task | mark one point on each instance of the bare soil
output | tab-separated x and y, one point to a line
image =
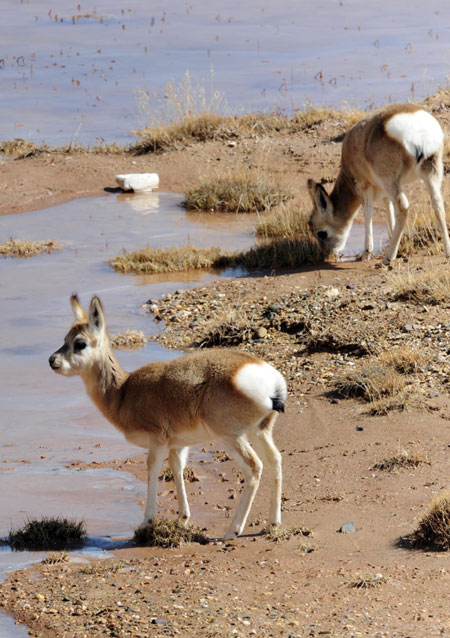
251	586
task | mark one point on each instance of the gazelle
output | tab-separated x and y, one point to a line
167	406
394	145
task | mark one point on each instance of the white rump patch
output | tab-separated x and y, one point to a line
261	383
418	132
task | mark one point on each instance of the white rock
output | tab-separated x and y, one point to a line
138	182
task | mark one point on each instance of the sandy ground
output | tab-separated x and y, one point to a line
251	586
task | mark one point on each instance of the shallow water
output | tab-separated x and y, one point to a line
70	72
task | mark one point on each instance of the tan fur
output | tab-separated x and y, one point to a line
167	406
374	166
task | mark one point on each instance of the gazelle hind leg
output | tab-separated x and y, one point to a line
433	183
266	449
252	467
390	216
401	206
177	463
155	458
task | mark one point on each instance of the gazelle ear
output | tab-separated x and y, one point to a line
78	311
96	316
320	198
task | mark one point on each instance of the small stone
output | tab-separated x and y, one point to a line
261	332
274	308
334	401
359	428
409	326
347	528
332	293
159	621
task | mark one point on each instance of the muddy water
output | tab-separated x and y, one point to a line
69	71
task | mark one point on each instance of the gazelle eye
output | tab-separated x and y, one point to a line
79	345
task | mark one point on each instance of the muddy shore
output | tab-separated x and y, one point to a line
330	445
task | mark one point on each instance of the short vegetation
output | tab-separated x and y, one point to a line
188	475
157	260
168	533
27	248
288	221
278	534
434	528
400	461
423	287
240	192
48	534
382	382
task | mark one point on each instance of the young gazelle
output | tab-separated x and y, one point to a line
166	407
394	145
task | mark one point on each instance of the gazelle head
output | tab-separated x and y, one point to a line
84	343
323	223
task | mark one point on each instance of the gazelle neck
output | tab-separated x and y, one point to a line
345	199
104	380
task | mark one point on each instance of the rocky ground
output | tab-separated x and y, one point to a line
318	325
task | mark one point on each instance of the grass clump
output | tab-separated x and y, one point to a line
242	192
168	533
370	382
368	582
156	260
434	528
48	534
228	329
103	567
287	222
277	534
188	475
402	460
19	148
129	340
27	248
55	558
421	233
280	253
426	287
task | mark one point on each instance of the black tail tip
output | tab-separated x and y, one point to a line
277	405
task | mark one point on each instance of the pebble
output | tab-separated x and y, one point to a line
347	528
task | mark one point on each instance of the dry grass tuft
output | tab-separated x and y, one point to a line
404	359
427	287
279	534
368	582
103	567
48	533
188	475
25	248
19	148
168	533
155	260
280	253
421	233
402	460
129	340
228	329
370	382
434	528
55	558
287	222
239	192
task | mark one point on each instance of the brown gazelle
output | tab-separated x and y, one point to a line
167	406
394	145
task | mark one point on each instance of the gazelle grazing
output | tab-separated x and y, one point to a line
166	407
394	145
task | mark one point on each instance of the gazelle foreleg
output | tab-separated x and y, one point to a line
390	216
155	458
177	463
251	467
368	227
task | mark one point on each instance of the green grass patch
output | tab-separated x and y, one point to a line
156	260
288	221
48	534
168	533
